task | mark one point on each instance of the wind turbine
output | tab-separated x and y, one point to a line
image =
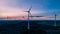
55	19
55	16
29	16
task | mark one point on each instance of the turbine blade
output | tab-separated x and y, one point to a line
30	15
30	8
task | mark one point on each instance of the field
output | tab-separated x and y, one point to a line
36	27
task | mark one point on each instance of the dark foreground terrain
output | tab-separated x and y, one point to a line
36	27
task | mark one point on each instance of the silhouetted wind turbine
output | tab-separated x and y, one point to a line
29	16
55	19
55	16
7	17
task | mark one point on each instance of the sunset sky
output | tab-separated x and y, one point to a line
45	8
